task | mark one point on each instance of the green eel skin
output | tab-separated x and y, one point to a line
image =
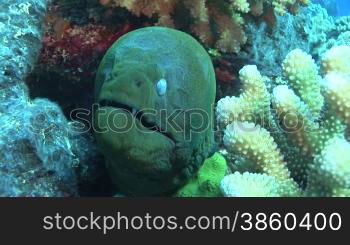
154	126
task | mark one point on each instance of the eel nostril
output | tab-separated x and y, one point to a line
138	83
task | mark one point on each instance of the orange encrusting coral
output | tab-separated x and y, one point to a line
217	23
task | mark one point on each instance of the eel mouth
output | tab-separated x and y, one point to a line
139	115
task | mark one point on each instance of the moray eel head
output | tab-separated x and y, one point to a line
147	96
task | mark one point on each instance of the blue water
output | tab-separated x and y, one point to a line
343	7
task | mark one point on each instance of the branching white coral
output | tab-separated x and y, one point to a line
330	174
294	115
312	114
337	91
337	60
302	74
242	138
249	185
252	105
333	164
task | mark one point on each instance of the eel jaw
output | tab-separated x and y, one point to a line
145	121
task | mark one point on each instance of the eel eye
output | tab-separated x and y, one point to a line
161	86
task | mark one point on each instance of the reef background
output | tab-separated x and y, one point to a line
50	50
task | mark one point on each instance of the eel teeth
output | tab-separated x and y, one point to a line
134	111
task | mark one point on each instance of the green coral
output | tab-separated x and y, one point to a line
207	181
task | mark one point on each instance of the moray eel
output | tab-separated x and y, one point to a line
154	125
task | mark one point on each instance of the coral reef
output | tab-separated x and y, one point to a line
39	151
286	134
216	23
73	48
77	49
206	183
330	5
308	30
293	141
73	45
342	24
335	35
328	32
